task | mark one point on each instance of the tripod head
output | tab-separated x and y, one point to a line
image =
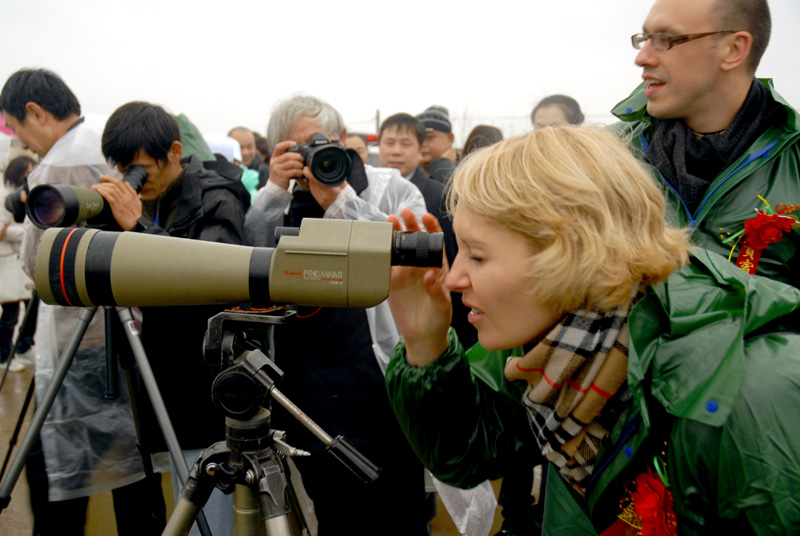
247	377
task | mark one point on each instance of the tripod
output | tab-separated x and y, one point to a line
251	462
24	328
125	317
27	319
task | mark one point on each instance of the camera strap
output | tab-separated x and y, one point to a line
304	205
358	175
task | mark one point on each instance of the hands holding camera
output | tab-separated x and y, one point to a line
286	164
419	300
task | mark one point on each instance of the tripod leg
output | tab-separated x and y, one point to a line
181	520
17	428
247	517
269	480
149	379
23	329
246	513
47	402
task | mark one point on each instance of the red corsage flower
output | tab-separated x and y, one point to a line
766	229
653	504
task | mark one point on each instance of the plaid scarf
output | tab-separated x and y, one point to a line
572	373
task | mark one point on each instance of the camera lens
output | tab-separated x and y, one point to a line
47	207
330	165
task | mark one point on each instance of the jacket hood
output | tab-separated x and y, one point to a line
197	179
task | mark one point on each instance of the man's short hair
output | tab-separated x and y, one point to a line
751	16
139	126
403	122
41	86
288	111
436	118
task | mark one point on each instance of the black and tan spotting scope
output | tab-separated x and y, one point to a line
62	205
329	263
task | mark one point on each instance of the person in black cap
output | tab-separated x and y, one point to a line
438	155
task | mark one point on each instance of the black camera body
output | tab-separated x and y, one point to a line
14	205
329	162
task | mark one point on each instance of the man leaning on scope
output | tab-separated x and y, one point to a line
334	358
180	198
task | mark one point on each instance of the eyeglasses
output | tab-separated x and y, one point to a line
664	41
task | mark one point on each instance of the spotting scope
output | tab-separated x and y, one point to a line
62	205
329	263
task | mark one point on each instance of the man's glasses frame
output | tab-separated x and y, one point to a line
664	41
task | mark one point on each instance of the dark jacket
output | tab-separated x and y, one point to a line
714	394
262	168
209	209
435	201
441	169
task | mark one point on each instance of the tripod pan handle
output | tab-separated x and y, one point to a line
345	452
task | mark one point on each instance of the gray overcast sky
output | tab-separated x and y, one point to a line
225	63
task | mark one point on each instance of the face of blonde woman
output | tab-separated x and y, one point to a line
488	272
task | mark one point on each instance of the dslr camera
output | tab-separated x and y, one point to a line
327	159
14	205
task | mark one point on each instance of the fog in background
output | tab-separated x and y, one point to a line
225	64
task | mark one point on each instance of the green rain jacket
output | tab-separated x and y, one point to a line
716	393
769	168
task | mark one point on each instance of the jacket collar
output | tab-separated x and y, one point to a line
634	107
190	204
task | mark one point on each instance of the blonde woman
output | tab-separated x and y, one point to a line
644	372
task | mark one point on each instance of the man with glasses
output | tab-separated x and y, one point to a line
717	136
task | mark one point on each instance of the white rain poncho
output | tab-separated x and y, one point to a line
89	442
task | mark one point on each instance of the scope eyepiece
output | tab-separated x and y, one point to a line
417	249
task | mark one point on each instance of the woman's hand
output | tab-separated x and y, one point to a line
419	300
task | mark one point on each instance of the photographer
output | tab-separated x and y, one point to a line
46	116
334	358
180	198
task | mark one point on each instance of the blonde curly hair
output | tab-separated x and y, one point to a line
589	209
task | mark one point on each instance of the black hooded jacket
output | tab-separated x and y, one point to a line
209	207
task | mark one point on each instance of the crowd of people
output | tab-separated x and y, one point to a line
618	305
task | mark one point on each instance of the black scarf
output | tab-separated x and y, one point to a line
691	163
